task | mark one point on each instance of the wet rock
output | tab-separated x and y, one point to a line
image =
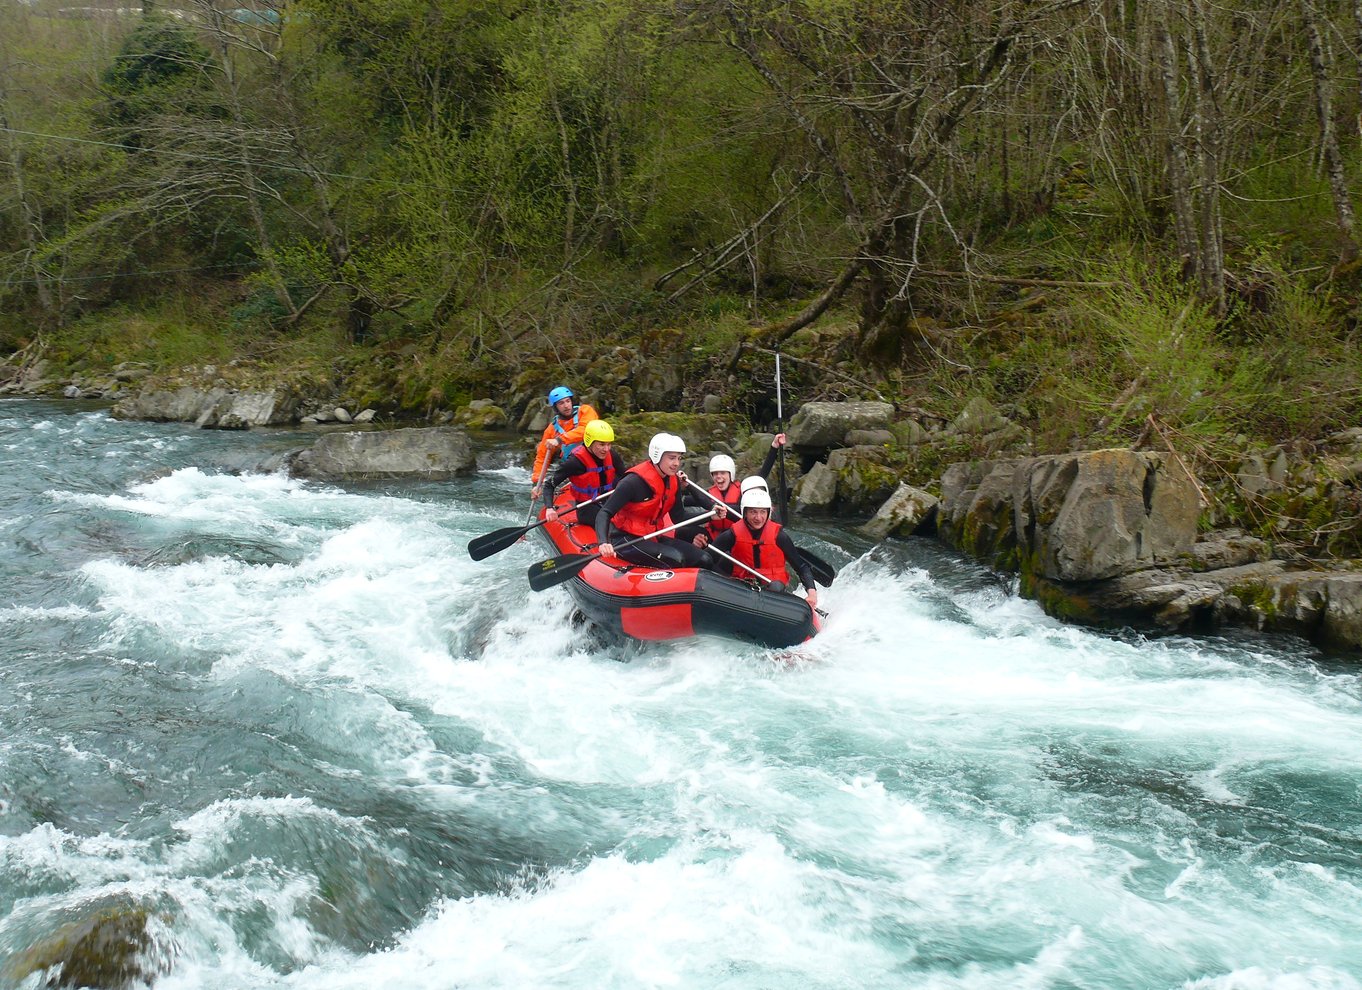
112	949
437	453
820	425
209	407
1070	517
904	513
869	438
817	490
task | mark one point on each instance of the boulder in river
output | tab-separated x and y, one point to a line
435	453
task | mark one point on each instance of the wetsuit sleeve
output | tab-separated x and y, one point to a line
630	488
695	500
771	454
724	541
795	558
566	468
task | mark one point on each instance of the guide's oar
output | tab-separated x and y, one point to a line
755	573
556	570
482	547
823	572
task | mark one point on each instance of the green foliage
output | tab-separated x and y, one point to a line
160	65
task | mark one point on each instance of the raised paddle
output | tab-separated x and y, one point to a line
482	547
780	428
823	572
554	571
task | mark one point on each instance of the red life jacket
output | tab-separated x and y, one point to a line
652	514
723	522
594	478
759	551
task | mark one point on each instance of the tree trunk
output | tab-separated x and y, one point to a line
1209	150
29	217
250	181
1328	138
1179	172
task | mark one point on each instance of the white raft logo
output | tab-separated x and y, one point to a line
658	576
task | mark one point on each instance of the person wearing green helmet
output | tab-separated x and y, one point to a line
590	470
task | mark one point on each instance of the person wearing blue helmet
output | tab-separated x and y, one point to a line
562	436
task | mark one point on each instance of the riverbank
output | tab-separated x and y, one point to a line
973	482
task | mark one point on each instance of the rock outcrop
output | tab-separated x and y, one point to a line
1110	538
435	453
211	408
1071	517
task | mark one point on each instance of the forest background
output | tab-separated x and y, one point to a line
1121	222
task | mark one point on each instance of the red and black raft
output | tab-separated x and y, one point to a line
654	603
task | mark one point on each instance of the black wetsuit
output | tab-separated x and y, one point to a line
661	551
725	541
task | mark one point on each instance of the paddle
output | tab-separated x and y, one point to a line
556	570
482	547
823	572
780	428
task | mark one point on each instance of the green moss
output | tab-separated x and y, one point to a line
1061	604
1258	597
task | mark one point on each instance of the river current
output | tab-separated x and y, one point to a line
322	748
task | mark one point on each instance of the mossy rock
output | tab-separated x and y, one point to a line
109	950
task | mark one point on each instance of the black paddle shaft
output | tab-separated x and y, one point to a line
482	547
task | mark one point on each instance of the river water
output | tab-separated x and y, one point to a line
324	749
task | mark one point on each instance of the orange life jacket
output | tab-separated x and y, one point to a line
594	478
652	514
723	522
759	551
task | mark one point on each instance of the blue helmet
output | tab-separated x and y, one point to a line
558	394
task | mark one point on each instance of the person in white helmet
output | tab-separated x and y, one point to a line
764	547
645	500
721	472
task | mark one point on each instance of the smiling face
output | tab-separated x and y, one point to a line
669	463
564	406
756	518
721	479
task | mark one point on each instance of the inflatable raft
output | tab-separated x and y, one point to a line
673	603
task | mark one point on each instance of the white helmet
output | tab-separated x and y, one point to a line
722	462
753	481
756	498
665	443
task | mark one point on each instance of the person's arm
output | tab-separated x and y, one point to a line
777	442
725	541
566	468
630	488
541	454
795	559
585	414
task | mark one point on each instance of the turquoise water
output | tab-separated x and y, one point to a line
325	749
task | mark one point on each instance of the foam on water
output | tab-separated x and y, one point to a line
344	754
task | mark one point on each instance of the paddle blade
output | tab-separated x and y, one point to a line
556	570
823	572
482	547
